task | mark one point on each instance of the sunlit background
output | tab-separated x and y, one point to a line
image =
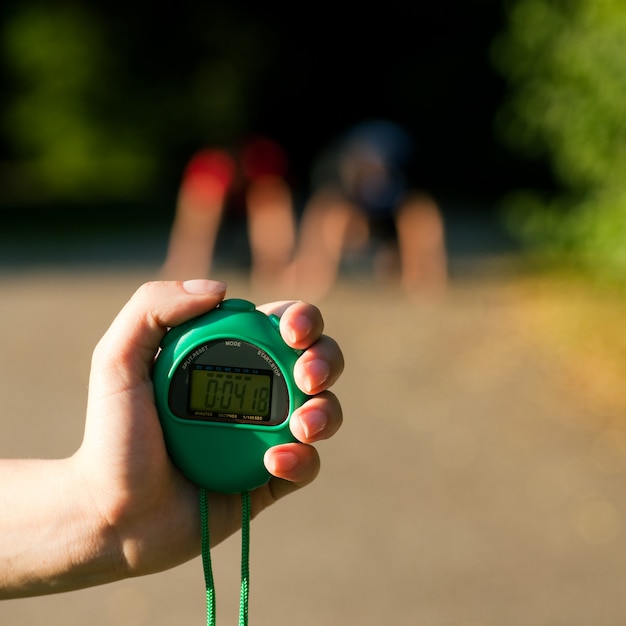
480	475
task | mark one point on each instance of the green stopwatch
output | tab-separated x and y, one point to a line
225	392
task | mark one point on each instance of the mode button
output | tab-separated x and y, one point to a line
237	304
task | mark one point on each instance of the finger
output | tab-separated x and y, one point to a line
301	324
317	419
134	336
292	465
319	367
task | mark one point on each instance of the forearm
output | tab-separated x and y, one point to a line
51	540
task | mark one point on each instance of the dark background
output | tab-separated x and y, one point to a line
423	64
310	71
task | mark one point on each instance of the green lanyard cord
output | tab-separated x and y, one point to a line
245	559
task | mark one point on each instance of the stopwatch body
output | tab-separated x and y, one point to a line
225	392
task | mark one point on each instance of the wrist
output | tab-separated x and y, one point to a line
69	546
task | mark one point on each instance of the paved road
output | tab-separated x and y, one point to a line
471	484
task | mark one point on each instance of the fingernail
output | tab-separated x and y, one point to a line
284	461
302	324
317	372
314	423
300	327
203	286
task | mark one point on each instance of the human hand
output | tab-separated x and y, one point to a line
144	505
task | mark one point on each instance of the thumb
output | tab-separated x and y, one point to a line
128	347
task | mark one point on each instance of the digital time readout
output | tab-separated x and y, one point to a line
229	392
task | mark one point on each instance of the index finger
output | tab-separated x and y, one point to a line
301	324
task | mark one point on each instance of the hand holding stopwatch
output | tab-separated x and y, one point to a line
224	391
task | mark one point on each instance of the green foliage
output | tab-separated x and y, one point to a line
56	120
565	63
101	98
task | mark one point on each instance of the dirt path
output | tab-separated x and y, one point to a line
471	485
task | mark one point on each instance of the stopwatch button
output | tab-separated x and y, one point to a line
275	320
237	304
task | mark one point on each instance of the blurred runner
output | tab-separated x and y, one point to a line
360	196
217	181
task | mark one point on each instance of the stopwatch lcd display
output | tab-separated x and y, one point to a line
226	392
230	381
